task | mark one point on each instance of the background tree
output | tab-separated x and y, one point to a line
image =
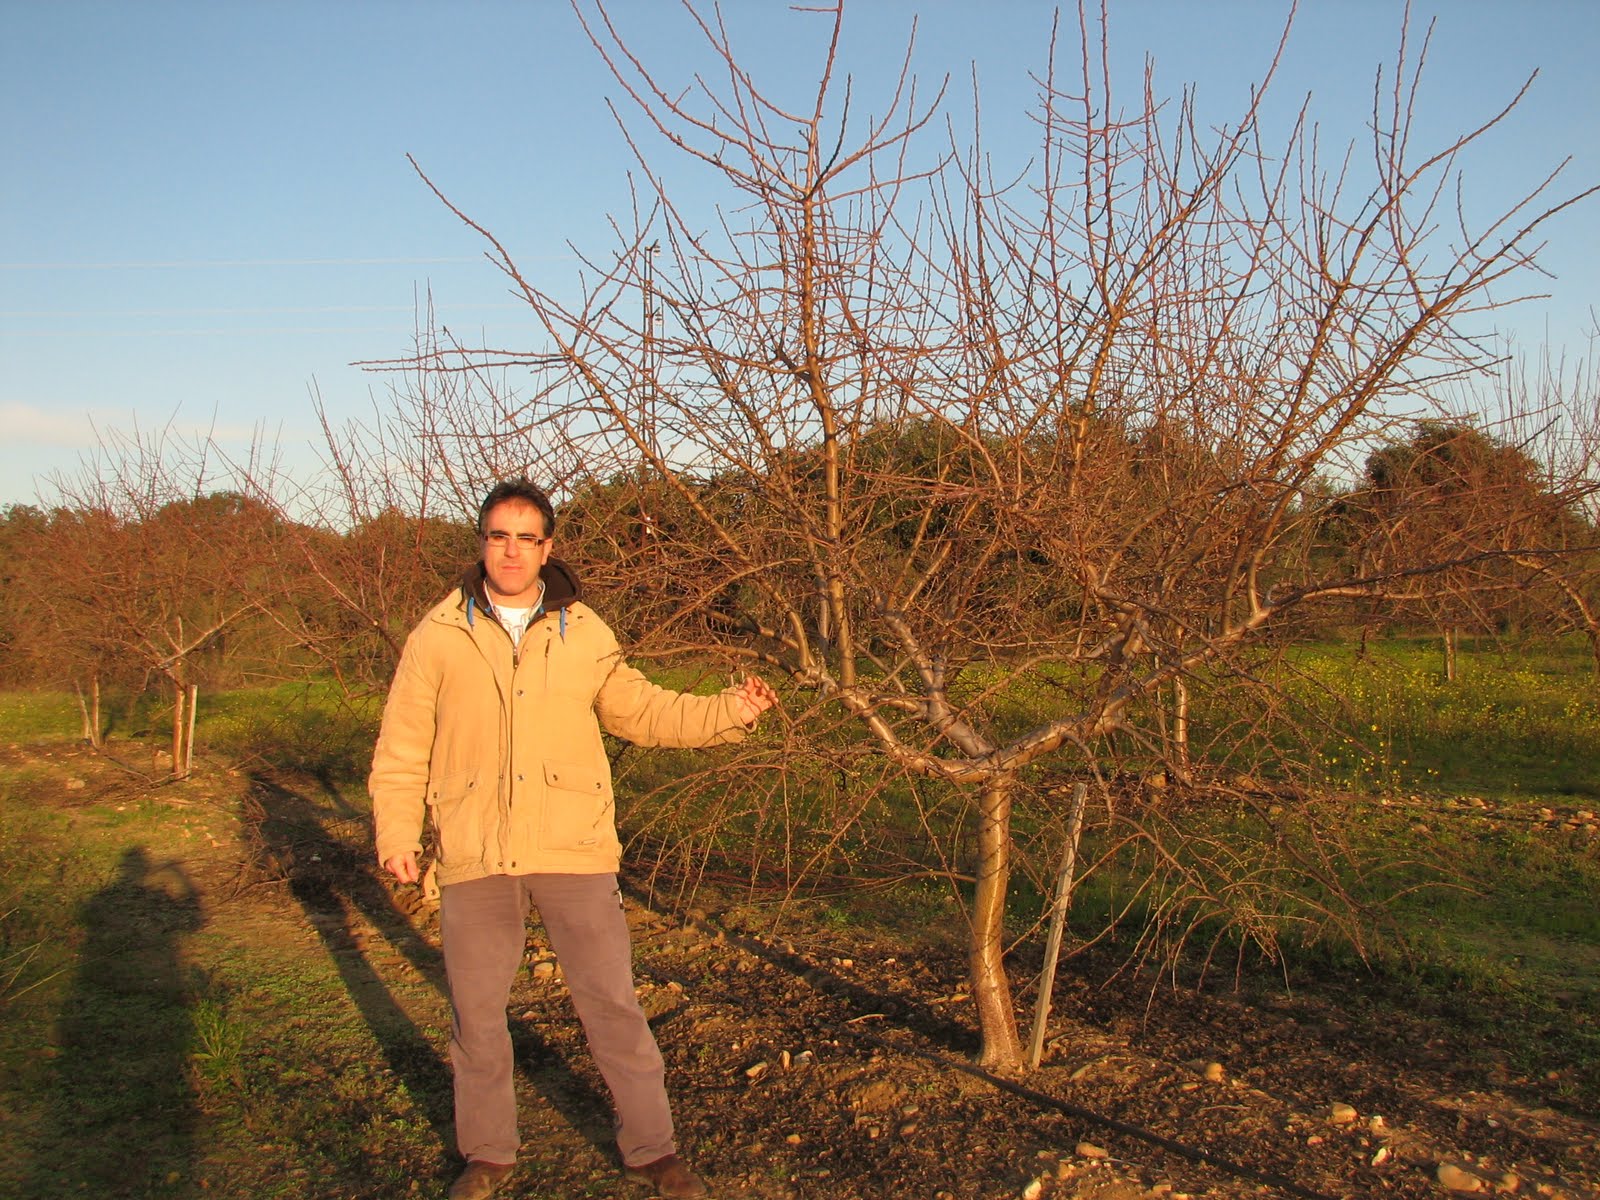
39	646
1451	493
377	538
149	573
1555	402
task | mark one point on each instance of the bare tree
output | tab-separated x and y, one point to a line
1554	405
930	433
150	568
1452	493
373	539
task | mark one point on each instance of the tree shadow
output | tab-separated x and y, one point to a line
332	878
296	840
123	1109
910	1012
580	1103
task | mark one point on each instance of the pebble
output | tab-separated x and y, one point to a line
544	972
1455	1179
1033	1190
756	1070
1214	1073
1341	1114
1090	1150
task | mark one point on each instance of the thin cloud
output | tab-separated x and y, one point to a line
33	426
86	429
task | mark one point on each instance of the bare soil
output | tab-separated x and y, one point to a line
823	1063
827	1063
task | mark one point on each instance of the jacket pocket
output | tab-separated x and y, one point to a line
456	802
577	808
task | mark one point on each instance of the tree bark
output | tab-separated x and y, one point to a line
991	991
1180	727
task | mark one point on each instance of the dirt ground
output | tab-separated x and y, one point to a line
824	1065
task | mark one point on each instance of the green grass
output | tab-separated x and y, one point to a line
1509	726
305	726
30	716
1481	916
175	1048
1454	829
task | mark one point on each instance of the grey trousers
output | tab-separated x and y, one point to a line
483	926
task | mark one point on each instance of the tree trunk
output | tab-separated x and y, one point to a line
991	991
1449	653
1180	727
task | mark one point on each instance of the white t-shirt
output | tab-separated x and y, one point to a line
516	620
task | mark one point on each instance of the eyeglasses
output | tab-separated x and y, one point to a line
500	539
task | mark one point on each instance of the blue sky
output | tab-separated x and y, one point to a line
206	212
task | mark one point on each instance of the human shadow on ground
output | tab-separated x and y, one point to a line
123	1109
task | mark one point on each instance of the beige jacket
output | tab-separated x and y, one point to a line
503	750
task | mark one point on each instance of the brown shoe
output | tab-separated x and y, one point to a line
670	1178
479	1181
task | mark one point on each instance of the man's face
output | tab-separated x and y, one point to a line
514	548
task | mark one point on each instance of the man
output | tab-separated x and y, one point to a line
492	727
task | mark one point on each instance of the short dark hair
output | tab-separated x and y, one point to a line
523	490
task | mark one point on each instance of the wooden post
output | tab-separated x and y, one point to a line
83	709
179	695
188	746
1058	919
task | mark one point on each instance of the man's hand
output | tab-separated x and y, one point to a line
403	867
754	697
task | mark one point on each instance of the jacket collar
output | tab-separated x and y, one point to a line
561	588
